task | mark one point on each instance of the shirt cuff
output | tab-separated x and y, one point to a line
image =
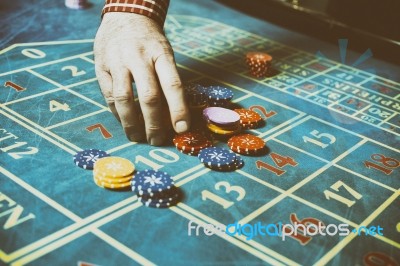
155	9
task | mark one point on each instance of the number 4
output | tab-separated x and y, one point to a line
279	161
57	106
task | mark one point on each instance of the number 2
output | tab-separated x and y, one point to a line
74	71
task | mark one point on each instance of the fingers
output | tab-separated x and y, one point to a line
105	82
150	98
173	91
124	104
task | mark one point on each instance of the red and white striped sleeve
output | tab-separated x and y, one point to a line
155	9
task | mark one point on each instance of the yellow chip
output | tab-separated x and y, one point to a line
218	130
102	175
112	180
113	167
112	186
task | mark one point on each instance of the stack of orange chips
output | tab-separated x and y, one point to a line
259	63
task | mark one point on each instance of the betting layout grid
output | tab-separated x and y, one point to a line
347	90
317	165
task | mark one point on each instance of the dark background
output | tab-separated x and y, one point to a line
50	20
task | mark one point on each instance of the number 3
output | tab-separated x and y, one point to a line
228	189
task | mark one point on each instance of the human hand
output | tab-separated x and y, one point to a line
127	46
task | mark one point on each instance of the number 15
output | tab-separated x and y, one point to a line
330	138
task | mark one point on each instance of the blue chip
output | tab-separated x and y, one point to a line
218	93
217	157
239	163
165	203
87	158
151	181
196	94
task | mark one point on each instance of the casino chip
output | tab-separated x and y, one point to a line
107	185
113	167
191	142
151	181
259	63
221	116
195	94
222	121
87	158
249	119
113	173
219	96
220	159
247	144
223	131
155	189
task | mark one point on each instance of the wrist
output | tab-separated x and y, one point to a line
154	9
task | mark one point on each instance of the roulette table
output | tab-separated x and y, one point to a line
332	129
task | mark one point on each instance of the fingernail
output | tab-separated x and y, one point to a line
181	126
156	141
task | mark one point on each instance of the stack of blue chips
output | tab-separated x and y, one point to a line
220	159
219	96
155	189
195	94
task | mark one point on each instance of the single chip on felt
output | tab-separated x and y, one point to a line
217	157
113	167
237	164
221	116
246	144
191	142
87	158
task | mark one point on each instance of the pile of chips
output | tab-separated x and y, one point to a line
113	173
191	143
87	158
220	159
249	119
259	63
222	121
76	4
247	144
219	96
155	189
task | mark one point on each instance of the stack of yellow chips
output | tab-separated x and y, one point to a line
113	172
